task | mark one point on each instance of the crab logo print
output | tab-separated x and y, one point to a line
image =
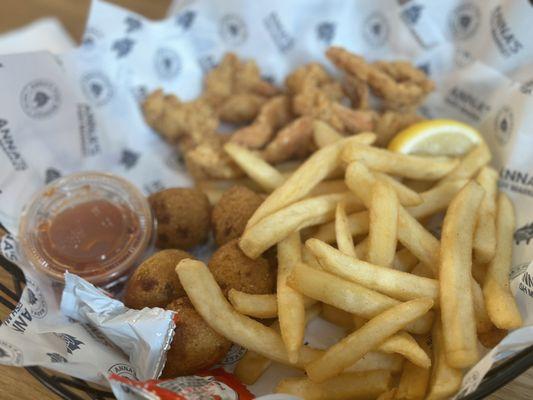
325	32
464	20
132	24
233	29
376	29
40	98
36	303
51	174
122	47
167	63
129	158
56	358
412	14
97	87
524	234
72	344
527	87
503	125
186	19
10	354
425	68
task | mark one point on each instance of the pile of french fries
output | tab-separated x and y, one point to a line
414	307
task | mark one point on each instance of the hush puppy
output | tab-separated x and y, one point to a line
155	283
183	217
232	269
232	212
195	345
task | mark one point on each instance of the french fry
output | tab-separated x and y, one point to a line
348	296
317	167
383	225
328	187
404	260
410	232
342	231
358	321
324	134
406	196
291	308
388	395
483	322
469	164
350	349
309	259
348	386
277	226
402	343
266	176
376	360
479	271
252	365
491	338
337	316
210	303
500	303
485	234
254	305
437	199
445	380
393	283
414	379
408	166
422	270
361	249
456	302
418	185
357	224
258	305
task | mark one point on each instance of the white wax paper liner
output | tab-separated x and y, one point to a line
79	110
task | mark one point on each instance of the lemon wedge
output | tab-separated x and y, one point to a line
436	137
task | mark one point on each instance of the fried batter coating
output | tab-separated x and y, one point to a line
294	141
232	269
355	121
274	114
399	84
390	123
183	217
155	283
208	160
232	212
195	346
236	78
357	91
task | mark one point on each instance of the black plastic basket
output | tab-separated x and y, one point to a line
76	389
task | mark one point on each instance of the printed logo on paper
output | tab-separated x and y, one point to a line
207	63
376	29
153	186
519	182
462	58
505	39
8	248
71	343
185	19
524	234
518	270
233	30
468	103
425	68
411	15
140	92
278	33
167	63
133	24
124	370
175	161
51	174
10	354
10	148
129	158
325	32
56	358
503	125
90	144
200	387
35	299
464	20
526	284
235	353
122	47
90	38
97	87
40	98
527	87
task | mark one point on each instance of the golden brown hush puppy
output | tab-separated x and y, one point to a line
155	283
232	269
232	212
195	345
183	217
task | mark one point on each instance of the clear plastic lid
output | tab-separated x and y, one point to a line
95	225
